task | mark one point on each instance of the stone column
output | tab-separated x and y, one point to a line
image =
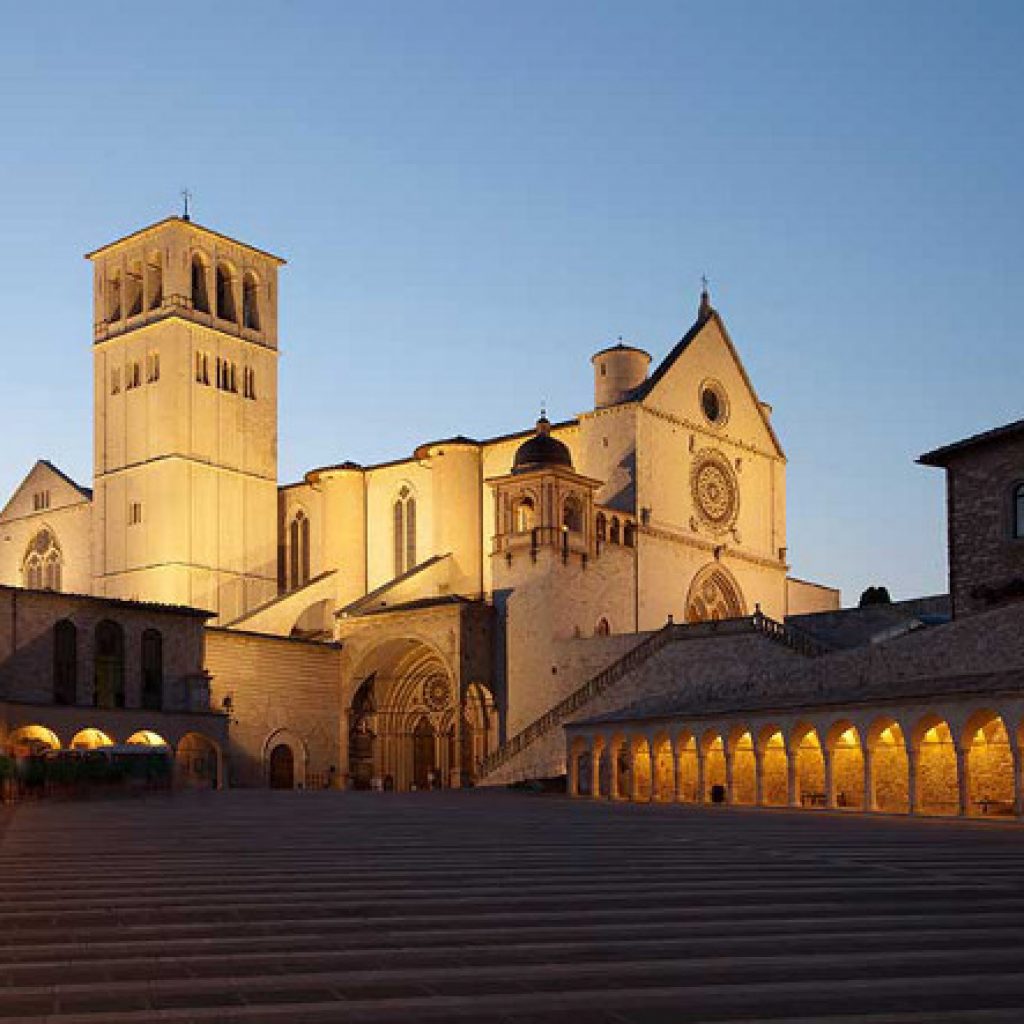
634	775
758	777
676	774
613	772
574	772
792	779
830	783
912	758
701	795
963	783
730	755
595	772
1018	787
870	802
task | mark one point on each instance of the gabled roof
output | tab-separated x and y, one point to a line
706	316
190	223
49	467
940	456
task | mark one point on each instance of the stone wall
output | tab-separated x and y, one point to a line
740	660
27	619
281	690
982	549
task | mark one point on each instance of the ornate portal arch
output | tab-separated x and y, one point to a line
714	594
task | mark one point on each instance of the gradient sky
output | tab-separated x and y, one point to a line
475	196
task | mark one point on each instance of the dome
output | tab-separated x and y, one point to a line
541	450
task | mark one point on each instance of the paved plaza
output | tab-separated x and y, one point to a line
494	906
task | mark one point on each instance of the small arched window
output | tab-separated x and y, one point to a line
65	662
152	670
525	515
200	288
1018	510
133	291
114	296
613	533
298	551
602	628
629	535
154	281
43	563
601	526
108	671
250	302
226	293
404	531
572	515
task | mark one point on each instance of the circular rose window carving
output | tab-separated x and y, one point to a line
436	694
715	491
714	403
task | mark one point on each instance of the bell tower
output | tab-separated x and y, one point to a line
185	419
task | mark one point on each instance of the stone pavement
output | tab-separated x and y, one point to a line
492	906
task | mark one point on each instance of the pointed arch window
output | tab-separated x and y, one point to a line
601	527
250	302
114	296
108	673
154	281
152	670
613	533
226	293
298	551
65	662
602	628
200	289
42	568
404	531
133	296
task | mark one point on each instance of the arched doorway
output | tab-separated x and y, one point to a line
282	767
32	740
197	762
405	705
90	739
937	784
714	595
774	768
990	765
424	755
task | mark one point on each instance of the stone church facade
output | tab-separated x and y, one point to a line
408	616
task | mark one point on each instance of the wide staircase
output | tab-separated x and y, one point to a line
511	763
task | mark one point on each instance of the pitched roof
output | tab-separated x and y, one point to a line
190	223
940	456
706	316
45	464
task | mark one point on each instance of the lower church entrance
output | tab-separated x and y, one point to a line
406	729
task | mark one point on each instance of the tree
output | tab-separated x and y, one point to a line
875	595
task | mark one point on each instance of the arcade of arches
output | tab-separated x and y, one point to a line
198	759
408	728
959	761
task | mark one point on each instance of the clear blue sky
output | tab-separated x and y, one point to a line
474	197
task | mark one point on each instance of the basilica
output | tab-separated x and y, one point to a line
395	624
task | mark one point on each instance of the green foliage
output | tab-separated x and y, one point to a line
875	595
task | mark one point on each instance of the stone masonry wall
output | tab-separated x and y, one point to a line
282	691
982	549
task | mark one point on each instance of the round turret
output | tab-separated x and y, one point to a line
618	371
541	450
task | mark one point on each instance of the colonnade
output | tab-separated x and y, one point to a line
955	760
